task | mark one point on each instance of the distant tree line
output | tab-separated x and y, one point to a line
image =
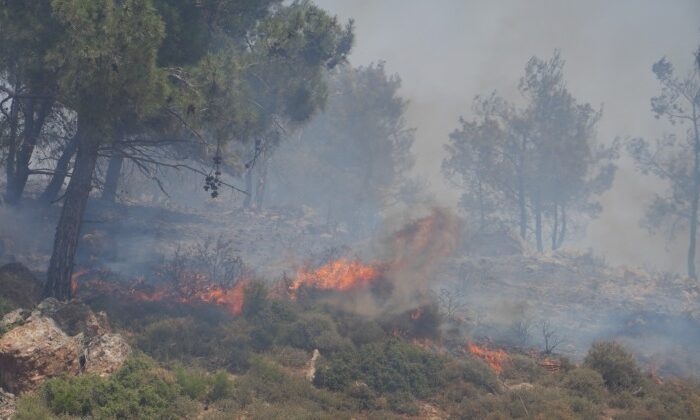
537	167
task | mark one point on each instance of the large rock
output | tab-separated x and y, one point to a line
19	286
58	339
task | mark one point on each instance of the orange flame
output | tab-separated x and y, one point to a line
341	274
74	280
494	358
232	299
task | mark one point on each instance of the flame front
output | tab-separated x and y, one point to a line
341	274
232	299
494	358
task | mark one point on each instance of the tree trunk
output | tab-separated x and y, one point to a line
114	170
247	203
696	195
555	228
32	130
60	172
538	222
482	211
58	283
521	193
12	144
260	188
562	232
249	188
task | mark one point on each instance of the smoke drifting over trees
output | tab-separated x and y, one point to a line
406	210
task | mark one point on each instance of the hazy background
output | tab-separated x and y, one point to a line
448	51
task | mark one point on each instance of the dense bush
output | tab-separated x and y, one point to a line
6	306
139	389
316	331
585	383
201	385
389	367
188	340
615	364
474	371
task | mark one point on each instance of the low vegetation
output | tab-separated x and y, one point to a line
212	366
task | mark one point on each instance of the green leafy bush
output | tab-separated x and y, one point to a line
615	364
139	389
316	331
585	383
186	340
392	366
6	306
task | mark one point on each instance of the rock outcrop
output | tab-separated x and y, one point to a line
57	339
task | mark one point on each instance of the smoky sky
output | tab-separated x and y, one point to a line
448	51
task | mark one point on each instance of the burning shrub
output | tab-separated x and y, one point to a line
615	364
214	259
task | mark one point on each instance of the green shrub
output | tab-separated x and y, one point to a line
585	383
387	367
6	306
187	340
615	364
193	383
222	386
290	357
32	407
316	331
139	389
523	369
477	372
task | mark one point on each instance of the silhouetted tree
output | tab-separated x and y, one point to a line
675	157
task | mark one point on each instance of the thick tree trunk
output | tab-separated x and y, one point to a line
32	129
60	172
114	170
58	283
695	197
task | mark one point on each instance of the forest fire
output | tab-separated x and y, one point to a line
494	358
342	275
231	299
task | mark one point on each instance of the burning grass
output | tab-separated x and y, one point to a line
494	358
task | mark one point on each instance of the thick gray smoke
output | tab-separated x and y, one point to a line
448	51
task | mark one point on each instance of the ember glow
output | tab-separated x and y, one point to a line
494	358
232	299
342	275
